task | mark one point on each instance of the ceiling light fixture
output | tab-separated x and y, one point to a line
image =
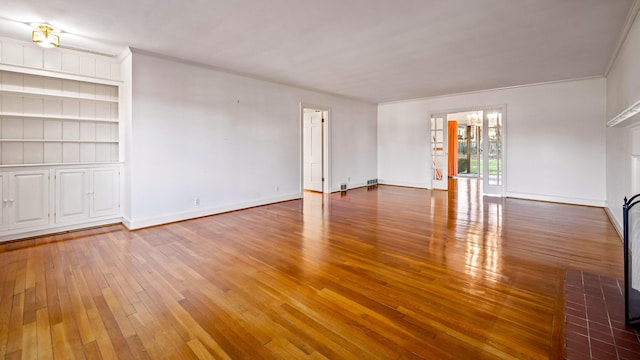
629	112
46	36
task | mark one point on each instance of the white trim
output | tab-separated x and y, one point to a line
53	229
492	89
419	185
631	17
134	224
126	221
616	223
557	199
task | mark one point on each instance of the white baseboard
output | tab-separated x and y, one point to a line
134	224
126	221
558	199
617	224
421	185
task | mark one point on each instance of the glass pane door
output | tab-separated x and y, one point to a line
492	148
439	151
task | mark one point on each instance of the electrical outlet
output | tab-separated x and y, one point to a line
196	201
348	178
277	188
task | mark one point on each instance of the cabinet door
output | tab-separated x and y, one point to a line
72	195
29	198
4	201
105	190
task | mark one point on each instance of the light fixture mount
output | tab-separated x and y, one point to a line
45	35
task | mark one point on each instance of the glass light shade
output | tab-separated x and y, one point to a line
44	37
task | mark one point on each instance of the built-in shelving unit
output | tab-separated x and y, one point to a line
59	140
49	120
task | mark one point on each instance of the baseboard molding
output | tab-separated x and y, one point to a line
126	221
616	223
22	234
135	224
558	199
420	185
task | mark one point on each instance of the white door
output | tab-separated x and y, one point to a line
29	198
72	195
4	197
313	151
493	152
104	197
439	153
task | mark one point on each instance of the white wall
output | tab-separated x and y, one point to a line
555	139
623	89
229	140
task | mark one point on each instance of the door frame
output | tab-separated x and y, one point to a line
326	146
484	109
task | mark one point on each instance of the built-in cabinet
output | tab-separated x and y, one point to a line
56	198
25	199
83	194
59	140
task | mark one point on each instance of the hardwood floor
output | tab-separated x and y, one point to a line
384	273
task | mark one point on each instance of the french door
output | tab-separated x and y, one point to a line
491	145
439	153
493	152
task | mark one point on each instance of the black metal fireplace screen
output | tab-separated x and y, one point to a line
631	234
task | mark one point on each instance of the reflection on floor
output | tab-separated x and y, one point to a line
594	304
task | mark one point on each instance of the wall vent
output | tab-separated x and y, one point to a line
372	182
343	187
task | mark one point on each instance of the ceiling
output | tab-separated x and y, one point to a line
373	50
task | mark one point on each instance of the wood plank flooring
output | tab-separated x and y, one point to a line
385	273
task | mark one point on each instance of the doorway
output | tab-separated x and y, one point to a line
315	167
469	144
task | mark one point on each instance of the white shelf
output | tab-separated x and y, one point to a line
54	96
47	122
61	141
61	164
38	116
